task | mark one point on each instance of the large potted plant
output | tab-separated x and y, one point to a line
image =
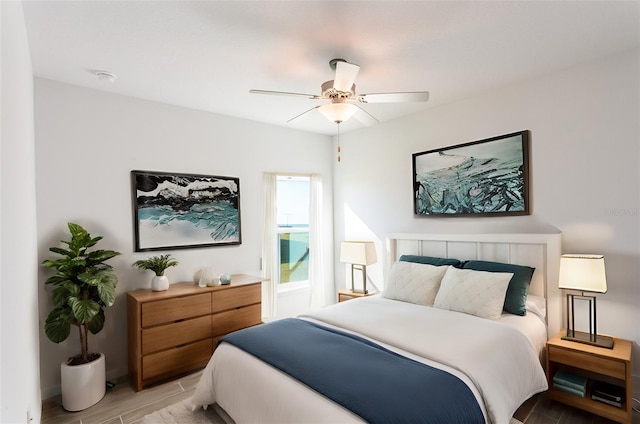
157	264
83	286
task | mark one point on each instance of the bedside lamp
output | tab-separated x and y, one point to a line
584	273
359	254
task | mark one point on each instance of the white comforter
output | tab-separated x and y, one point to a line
497	361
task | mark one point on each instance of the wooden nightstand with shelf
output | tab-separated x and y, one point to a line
348	294
611	366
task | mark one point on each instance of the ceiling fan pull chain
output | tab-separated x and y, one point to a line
338	141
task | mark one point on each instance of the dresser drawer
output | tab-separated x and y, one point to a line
170	310
175	334
177	360
236	319
232	298
597	364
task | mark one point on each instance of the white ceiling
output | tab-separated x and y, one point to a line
207	55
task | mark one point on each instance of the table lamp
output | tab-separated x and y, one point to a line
584	273
359	254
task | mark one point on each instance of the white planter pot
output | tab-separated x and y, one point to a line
160	283
83	385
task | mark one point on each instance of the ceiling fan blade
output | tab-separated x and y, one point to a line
345	76
365	117
415	96
285	93
306	111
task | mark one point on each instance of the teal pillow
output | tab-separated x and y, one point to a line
430	260
516	298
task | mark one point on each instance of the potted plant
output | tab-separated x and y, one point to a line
157	264
84	286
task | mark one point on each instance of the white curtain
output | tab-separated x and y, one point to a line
269	247
316	263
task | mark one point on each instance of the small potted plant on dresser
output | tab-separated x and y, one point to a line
157	264
84	286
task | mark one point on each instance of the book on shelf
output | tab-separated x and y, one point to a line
570	390
568	379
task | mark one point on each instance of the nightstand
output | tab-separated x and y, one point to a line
348	294
611	366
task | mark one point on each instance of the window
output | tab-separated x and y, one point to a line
292	245
292	209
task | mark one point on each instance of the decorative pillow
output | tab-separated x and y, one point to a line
414	283
518	286
473	292
430	260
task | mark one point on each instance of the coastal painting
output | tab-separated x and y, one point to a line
488	177
179	211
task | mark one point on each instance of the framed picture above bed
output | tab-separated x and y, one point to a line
487	177
180	211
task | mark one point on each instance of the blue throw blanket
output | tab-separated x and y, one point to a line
374	383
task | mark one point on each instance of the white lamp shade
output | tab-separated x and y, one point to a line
338	112
583	272
358	252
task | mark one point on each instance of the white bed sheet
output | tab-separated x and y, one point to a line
253	392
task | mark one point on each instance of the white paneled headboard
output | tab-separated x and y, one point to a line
541	251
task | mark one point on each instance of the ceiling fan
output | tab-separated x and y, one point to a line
342	97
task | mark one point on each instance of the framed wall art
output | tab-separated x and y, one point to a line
179	211
482	178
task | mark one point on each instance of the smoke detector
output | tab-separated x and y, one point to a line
105	76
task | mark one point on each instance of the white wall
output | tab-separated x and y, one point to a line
585	173
87	142
19	370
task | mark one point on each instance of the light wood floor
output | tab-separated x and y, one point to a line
123	405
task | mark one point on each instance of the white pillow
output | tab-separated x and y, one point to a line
536	305
413	282
473	292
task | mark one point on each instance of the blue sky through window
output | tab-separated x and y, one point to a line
293	201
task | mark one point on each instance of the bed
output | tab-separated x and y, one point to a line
485	365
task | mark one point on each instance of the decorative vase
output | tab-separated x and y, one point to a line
83	385
160	283
225	279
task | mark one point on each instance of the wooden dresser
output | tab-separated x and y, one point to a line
175	331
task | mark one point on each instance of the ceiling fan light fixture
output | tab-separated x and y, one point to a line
338	112
341	90
330	92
